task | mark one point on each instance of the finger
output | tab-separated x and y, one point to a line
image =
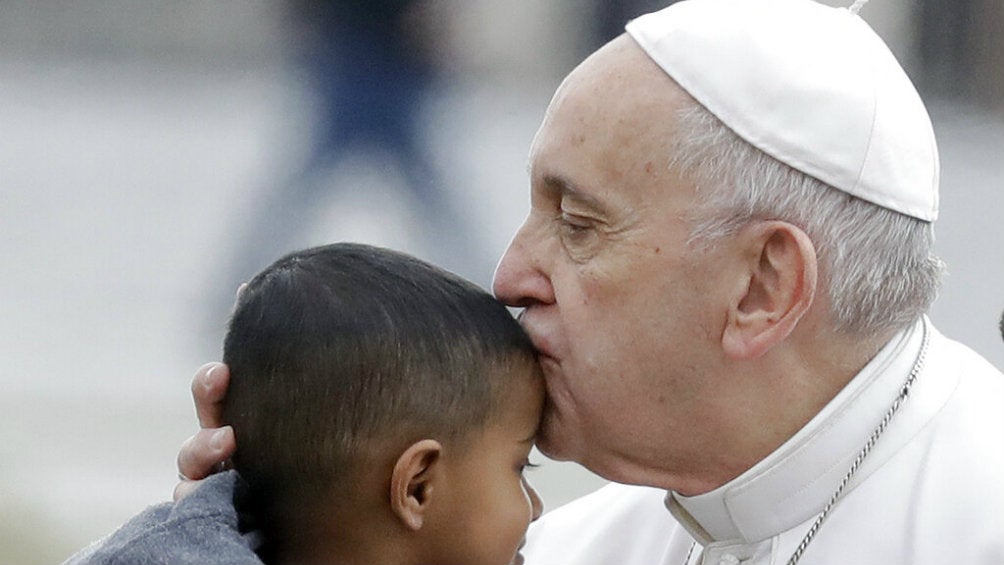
209	389
187	486
202	454
184	488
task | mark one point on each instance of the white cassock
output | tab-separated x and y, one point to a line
931	492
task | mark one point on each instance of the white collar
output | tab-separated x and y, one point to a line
792	484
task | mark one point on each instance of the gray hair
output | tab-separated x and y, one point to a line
876	264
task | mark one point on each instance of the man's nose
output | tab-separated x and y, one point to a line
520	279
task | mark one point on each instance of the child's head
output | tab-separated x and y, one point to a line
379	400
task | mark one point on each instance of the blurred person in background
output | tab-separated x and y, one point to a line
612	15
726	270
946	49
371	66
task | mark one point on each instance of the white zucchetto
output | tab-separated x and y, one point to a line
810	85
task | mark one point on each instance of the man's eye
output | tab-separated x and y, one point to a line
573	225
579	236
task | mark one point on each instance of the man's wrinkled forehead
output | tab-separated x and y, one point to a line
620	62
616	83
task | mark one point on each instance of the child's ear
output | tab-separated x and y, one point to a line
411	483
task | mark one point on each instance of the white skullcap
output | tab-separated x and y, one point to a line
810	85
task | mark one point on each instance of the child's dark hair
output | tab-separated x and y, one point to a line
336	349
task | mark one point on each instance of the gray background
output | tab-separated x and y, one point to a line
136	139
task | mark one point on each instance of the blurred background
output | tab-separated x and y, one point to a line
155	154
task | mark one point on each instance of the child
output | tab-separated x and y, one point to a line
384	411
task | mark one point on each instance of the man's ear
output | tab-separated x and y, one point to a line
779	286
412	482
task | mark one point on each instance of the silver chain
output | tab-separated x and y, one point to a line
686	560
904	392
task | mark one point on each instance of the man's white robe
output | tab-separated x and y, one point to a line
931	492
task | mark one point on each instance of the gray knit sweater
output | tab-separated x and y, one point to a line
201	528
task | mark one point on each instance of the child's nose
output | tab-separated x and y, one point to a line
536	505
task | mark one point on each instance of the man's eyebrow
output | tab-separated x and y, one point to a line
567	190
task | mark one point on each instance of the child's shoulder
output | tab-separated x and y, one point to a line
201	528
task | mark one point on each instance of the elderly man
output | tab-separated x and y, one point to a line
725	268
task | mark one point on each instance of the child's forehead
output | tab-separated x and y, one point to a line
518	379
522	401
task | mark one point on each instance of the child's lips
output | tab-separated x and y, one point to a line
518	558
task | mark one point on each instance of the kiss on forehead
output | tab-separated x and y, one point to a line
725	273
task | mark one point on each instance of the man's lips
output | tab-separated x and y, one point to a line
540	342
536	337
544	354
542	351
543	348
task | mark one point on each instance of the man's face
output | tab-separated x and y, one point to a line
621	309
